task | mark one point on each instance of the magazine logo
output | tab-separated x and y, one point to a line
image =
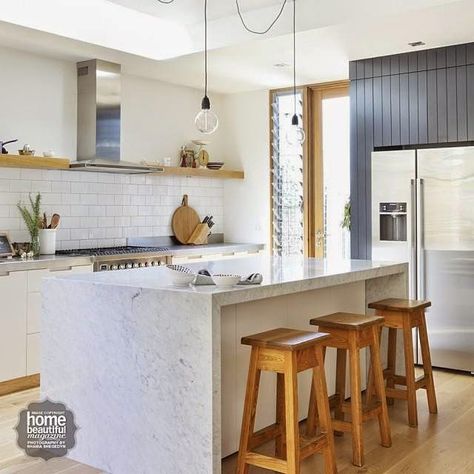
46	430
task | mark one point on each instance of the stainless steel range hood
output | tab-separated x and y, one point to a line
98	119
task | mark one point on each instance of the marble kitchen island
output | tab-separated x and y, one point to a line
155	374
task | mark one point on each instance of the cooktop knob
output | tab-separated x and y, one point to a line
122	266
114	267
129	265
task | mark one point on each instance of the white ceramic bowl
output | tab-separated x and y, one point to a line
226	281
180	276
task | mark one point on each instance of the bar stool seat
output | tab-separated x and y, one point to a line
285	352
351	332
406	314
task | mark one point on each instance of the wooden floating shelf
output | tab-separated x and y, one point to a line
39	162
35	162
202	172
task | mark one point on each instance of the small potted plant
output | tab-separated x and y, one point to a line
33	221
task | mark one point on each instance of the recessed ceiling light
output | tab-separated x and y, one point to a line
282	65
414	44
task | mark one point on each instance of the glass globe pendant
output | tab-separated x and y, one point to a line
295	134
206	120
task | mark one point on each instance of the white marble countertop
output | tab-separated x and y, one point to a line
57	261
281	275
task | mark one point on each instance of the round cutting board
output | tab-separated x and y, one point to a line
184	221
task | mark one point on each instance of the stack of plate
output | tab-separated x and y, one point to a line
215	165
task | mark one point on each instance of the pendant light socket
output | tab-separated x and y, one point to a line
294	119
206	103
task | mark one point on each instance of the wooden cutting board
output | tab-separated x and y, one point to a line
184	221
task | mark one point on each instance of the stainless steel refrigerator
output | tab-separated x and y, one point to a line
423	213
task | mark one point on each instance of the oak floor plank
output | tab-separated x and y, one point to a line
440	445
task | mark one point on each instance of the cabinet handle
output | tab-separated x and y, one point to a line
4	274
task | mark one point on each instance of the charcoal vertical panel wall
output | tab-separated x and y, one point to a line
418	98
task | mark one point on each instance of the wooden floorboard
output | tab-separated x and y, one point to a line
442	444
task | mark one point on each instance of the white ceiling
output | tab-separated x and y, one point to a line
330	34
189	12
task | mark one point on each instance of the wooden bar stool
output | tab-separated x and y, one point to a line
351	332
405	315
286	352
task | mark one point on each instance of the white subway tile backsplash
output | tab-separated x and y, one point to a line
104	209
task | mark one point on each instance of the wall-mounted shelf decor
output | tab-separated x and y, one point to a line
36	162
202	172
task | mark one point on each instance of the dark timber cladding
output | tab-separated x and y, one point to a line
419	98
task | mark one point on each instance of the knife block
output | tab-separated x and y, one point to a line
199	235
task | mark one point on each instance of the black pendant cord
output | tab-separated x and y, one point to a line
294	57
205	48
266	30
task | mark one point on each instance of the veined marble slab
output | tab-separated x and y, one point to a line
139	361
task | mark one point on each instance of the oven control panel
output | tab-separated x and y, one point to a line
128	263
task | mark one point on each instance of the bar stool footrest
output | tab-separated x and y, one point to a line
266	462
264	435
313	444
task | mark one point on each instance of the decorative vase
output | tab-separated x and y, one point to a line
47	241
35	245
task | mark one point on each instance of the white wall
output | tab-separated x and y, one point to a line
158	118
38	102
38	97
245	123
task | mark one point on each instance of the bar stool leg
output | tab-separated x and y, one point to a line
356	403
291	415
369	392
391	360
280	448
340	386
384	424
321	395
250	406
410	373
312	420
425	354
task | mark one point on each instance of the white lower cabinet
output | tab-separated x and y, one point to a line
20	319
13	288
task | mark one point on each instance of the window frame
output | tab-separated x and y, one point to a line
313	189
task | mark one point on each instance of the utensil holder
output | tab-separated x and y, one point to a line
47	241
199	235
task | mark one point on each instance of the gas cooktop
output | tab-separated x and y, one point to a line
109	251
122	258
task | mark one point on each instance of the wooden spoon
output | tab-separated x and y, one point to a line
55	218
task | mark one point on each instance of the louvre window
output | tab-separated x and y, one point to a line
287	179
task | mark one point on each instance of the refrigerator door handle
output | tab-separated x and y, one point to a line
420	247
413	243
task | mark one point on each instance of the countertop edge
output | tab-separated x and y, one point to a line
253	293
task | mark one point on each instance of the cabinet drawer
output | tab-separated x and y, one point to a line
34	311
13	325
33	354
35	276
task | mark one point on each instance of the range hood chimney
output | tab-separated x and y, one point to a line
98	119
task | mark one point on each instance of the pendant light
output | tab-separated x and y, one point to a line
206	120
295	135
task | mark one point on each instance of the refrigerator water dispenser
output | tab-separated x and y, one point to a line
393	221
